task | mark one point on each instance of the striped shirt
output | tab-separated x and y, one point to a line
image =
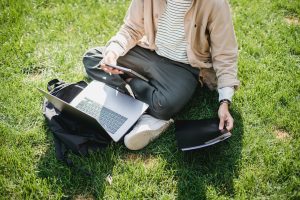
170	36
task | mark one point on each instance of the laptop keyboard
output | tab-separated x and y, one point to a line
108	119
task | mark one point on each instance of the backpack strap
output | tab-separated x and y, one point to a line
59	150
61	153
53	84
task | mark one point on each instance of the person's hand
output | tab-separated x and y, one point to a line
110	58
225	117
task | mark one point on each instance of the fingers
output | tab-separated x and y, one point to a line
226	120
110	58
221	124
111	70
229	123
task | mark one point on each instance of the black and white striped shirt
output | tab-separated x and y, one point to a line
170	36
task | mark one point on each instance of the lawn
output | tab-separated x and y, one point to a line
42	40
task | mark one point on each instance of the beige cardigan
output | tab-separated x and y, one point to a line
211	42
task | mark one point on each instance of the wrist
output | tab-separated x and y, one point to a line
111	54
114	47
225	103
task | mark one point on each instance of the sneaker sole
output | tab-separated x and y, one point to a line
139	141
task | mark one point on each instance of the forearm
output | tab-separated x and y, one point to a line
130	32
224	48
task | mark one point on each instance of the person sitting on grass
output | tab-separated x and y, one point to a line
175	44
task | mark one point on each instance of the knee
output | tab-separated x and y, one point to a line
163	108
92	57
95	51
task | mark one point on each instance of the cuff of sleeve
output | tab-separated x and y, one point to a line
114	47
228	81
226	93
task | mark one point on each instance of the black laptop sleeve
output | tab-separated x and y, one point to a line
192	133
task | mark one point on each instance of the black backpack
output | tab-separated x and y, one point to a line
70	134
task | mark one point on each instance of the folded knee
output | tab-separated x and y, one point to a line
163	108
92	57
95	51
159	105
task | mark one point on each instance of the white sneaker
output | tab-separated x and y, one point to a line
145	131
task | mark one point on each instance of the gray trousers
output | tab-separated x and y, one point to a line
171	84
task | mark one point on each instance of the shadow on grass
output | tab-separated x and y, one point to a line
198	174
207	172
210	171
72	183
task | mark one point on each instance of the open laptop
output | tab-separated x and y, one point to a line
102	107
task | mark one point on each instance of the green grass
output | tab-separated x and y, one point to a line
41	40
